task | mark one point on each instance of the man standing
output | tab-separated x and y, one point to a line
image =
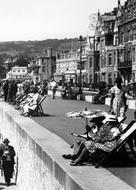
8	160
5	90
54	86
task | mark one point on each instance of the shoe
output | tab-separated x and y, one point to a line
25	115
75	163
22	114
67	156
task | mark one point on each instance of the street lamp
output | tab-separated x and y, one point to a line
80	67
92	45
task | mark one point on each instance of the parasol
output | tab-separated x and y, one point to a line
87	114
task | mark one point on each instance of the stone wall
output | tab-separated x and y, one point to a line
40	162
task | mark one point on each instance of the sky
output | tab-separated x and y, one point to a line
48	19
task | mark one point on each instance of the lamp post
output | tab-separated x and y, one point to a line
80	67
92	45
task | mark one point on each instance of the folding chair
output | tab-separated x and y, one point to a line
38	110
121	142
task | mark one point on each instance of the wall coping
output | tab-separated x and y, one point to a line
86	177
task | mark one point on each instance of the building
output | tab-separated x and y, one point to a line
105	39
43	67
127	39
17	72
66	67
71	65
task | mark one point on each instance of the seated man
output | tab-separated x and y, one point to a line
105	140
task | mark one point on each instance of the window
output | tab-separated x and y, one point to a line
121	55
91	61
23	70
133	53
133	77
110	59
116	40
122	37
109	79
14	71
102	43
114	58
43	69
18	70
129	54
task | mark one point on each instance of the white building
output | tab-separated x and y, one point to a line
17	73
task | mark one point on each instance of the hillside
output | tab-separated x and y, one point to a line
34	47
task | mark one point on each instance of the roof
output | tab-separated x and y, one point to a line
108	17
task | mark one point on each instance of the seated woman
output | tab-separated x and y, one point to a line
105	140
91	131
32	104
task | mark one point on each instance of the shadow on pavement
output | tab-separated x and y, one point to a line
45	115
119	161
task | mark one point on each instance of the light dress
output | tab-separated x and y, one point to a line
118	106
33	104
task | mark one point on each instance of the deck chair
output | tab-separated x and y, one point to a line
38	110
121	142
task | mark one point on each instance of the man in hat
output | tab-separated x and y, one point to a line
8	160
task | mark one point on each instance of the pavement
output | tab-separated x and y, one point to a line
56	121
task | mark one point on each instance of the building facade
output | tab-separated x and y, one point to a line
127	38
71	66
17	73
104	45
43	67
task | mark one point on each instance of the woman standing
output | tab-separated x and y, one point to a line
118	99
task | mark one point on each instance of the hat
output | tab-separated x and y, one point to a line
97	119
118	80
6	141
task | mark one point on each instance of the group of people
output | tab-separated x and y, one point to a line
10	91
104	137
7	154
28	98
70	92
28	101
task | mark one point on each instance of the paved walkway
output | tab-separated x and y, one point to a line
56	122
